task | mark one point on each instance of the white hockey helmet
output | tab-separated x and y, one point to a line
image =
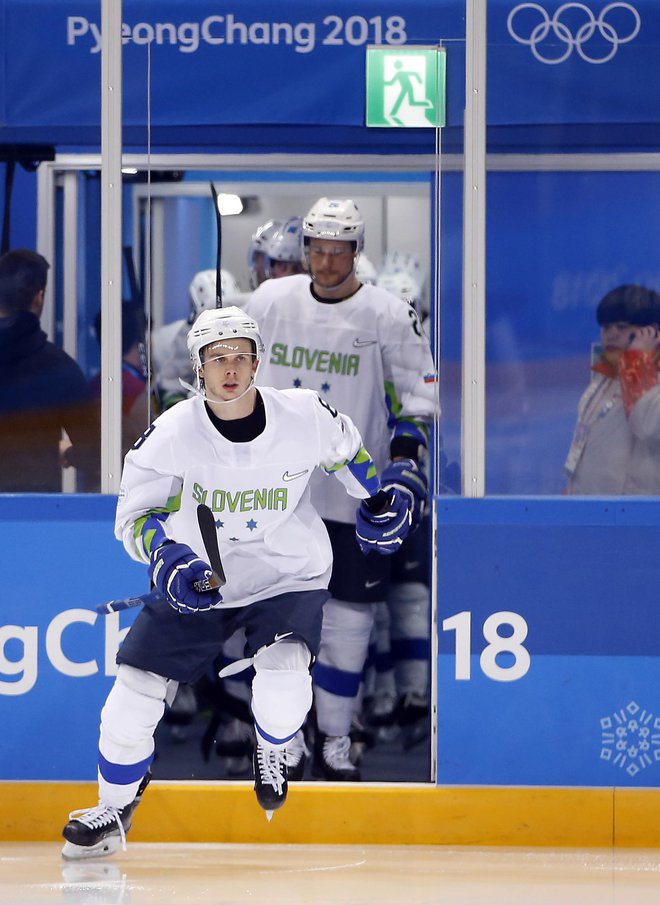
258	244
333	218
365	270
222	324
405	286
202	289
406	261
285	244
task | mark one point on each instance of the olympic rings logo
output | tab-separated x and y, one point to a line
574	40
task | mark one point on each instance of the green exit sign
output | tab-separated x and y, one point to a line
405	86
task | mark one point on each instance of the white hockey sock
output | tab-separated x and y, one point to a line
338	670
409	604
132	711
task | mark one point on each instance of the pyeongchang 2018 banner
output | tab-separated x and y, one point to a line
214	63
252	62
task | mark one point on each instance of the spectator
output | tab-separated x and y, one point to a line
135	408
616	444
43	392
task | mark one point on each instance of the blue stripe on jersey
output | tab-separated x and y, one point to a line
148	531
336	681
364	471
403	427
153	534
123	774
410	428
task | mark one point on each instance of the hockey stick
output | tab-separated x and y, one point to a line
218	257
206	522
217	579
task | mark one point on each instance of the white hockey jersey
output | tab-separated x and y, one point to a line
271	539
367	356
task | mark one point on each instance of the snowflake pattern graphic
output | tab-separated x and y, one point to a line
630	739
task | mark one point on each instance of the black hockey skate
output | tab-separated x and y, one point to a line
332	760
270	778
96	832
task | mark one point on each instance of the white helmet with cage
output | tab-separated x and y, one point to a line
332	218
222	325
202	289
406	261
365	270
403	275
285	243
258	247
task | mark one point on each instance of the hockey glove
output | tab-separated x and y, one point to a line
181	575
385	532
406	476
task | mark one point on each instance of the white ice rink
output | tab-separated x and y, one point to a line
330	875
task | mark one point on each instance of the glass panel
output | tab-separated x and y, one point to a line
571	214
202	734
49	424
576	238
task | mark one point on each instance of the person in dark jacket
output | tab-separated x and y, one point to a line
42	389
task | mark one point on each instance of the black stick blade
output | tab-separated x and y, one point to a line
206	522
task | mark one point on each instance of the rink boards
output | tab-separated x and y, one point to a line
548	719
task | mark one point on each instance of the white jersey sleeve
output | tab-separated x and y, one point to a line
342	453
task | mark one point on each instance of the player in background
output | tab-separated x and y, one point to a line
257	258
169	351
365	270
249	454
283	250
363	350
397	685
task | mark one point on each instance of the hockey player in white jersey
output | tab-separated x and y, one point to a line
257	253
249	455
363	350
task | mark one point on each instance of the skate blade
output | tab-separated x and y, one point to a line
269	815
73	852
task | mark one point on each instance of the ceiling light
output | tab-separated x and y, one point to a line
228	205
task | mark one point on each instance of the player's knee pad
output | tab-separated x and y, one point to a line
281	690
345	634
131	713
409	605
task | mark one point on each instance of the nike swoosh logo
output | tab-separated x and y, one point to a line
292	477
371	584
358	343
279	637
